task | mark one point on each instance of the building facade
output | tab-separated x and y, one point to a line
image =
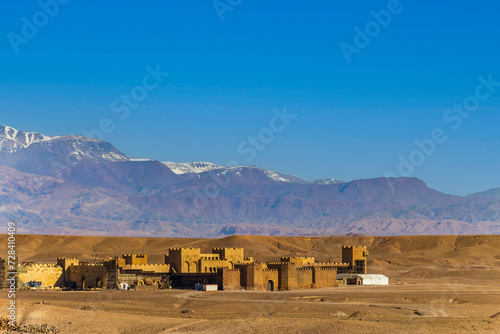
185	267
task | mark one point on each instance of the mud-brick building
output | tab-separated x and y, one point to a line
356	257
191	260
4	264
228	268
132	269
185	267
49	274
69	272
273	276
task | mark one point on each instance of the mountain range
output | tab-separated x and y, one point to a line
84	186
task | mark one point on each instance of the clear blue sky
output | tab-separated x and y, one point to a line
353	120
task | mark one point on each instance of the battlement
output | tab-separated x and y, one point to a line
41	266
230	264
135	259
135	255
330	264
148	265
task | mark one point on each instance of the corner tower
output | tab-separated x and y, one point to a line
356	256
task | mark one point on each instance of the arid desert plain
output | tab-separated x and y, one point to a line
438	284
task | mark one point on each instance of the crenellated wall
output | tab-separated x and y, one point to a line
230	254
183	260
269	275
255	276
226	267
299	261
211	266
287	274
135	259
230	279
325	277
90	276
356	256
305	278
157	268
50	275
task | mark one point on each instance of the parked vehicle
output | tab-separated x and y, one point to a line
33	284
123	286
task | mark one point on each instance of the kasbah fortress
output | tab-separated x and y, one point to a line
227	268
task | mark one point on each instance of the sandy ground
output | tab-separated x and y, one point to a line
438	285
429	307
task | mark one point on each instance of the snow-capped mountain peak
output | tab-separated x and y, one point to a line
12	139
327	181
275	176
191	167
202	167
76	147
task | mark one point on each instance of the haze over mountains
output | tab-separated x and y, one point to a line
84	186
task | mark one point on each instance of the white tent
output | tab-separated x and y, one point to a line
373	279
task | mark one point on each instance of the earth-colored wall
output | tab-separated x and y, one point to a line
231	279
210	266
183	260
269	274
90	276
352	253
65	262
135	259
299	261
325	277
305	278
254	276
158	268
230	254
3	273
49	275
